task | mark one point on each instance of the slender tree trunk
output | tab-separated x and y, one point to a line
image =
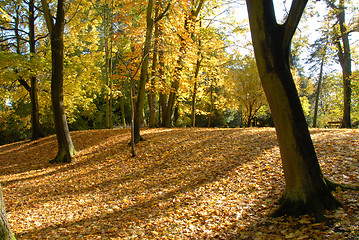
107	16
32	88
35	119
144	68
345	62
123	112
211	106
163	96
5	231
132	101
152	89
317	95
144	71
170	104
193	109
306	189
194	92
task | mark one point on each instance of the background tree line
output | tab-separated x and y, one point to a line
197	73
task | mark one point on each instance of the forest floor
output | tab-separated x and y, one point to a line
188	183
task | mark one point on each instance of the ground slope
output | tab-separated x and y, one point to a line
183	184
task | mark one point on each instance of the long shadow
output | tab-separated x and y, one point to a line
176	169
39	153
337	153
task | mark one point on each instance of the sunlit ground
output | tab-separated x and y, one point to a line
183	184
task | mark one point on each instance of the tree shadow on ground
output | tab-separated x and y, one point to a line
177	176
141	188
27	156
336	150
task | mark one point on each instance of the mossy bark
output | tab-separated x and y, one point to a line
306	190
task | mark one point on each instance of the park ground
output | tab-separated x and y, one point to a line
184	183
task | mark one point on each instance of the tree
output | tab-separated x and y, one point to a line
150	20
66	148
36	128
344	55
5	231
306	188
246	89
21	37
190	20
319	57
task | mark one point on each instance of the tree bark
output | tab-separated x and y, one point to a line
35	120
5	231
144	68
151	94
123	111
194	92
144	71
161	76
345	62
306	189
317	95
193	109
66	148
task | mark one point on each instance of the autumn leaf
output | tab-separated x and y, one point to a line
196	183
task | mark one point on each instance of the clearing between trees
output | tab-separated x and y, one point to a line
184	183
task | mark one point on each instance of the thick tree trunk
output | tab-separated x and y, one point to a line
66	149
306	189
5	231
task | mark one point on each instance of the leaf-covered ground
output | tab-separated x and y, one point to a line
183	184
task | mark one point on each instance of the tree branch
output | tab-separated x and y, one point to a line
47	15
290	25
159	17
198	9
24	84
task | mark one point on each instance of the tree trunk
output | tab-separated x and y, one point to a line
345	62
194	93
211	105
152	89
107	16
306	189
123	112
193	110
170	104
5	231
317	95
35	120
144	71
32	88
161	76
66	148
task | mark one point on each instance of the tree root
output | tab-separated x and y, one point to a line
313	203
334	185
62	158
